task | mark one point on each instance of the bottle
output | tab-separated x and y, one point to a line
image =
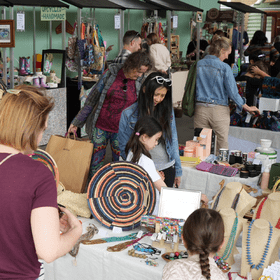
265	178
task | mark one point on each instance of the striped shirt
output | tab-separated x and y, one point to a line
268	50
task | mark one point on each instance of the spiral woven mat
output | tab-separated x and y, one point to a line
119	194
47	160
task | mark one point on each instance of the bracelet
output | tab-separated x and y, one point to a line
146	249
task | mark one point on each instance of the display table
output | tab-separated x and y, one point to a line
208	183
95	262
57	117
248	139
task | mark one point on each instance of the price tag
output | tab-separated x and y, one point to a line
175	238
102	232
117	230
164	236
159	236
256	161
117	19
154	237
139	234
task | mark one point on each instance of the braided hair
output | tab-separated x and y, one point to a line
203	234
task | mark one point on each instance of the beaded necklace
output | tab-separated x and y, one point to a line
249	259
258	215
231	239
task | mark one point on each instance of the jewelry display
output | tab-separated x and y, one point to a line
123	246
110	239
258	214
175	256
248	251
133	254
146	249
231	239
91	230
224	266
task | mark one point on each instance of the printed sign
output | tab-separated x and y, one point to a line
53	13
117	19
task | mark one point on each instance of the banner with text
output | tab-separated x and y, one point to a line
53	13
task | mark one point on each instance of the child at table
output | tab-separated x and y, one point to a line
145	137
203	236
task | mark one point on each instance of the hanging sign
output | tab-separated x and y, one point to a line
20	21
198	16
117	19
175	22
53	13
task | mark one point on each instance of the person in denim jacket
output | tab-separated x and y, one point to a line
215	85
155	99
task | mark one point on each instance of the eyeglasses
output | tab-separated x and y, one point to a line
161	80
124	88
135	36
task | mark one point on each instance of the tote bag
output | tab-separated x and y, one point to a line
73	158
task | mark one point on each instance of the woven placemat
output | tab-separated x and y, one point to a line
119	194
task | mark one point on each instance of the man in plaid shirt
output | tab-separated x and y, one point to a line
131	43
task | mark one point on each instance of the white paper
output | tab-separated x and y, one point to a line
117	230
117	19
175	22
20	21
139	234
175	238
172	201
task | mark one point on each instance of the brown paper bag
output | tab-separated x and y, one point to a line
73	158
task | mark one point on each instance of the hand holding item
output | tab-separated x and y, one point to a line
161	174
72	129
177	182
68	221
204	198
251	109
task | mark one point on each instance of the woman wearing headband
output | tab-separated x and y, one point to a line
155	100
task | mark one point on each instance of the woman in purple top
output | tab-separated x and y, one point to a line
30	225
116	90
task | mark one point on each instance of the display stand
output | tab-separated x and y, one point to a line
258	240
226	196
163	244
229	216
175	45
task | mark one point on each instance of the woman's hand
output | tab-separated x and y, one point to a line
177	182
204	199
251	109
68	221
161	174
72	129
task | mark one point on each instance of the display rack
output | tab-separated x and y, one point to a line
175	45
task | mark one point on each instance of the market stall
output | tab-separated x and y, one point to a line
58	115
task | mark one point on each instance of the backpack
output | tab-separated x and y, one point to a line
188	101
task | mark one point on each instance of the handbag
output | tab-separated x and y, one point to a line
99	54
72	44
73	158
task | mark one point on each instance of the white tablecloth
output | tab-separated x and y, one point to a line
248	139
208	183
95	262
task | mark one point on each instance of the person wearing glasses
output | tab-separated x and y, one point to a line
116	90
131	43
155	99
